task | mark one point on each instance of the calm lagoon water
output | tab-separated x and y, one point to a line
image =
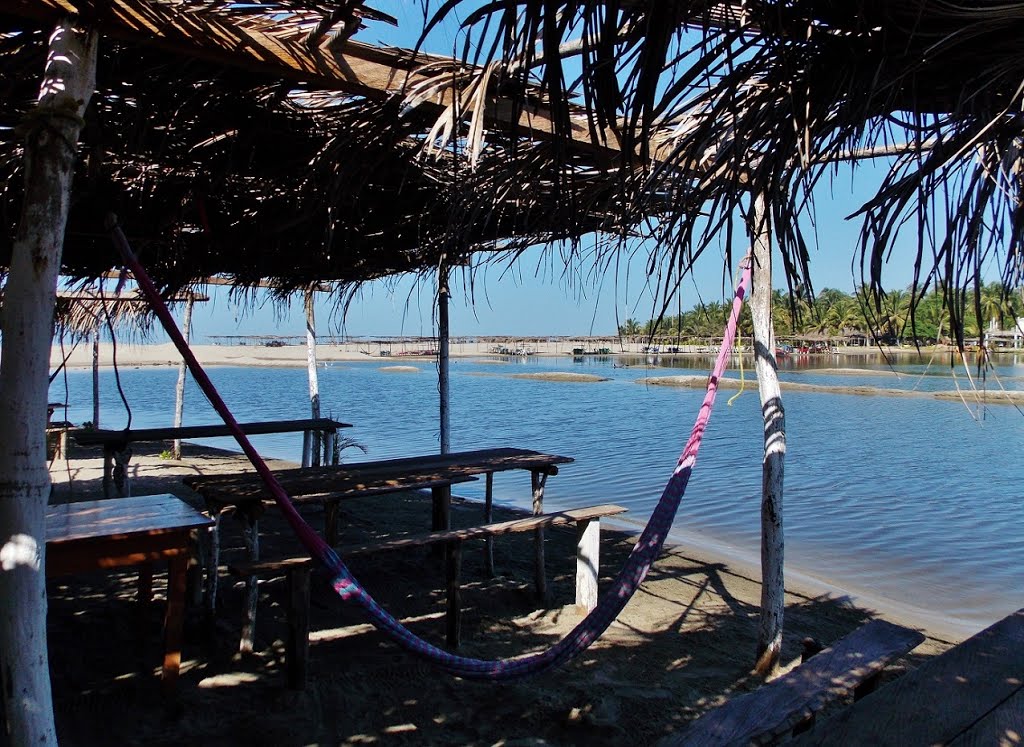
910	502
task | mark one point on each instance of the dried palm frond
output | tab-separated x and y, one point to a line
725	100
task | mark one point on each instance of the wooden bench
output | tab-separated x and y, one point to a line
768	714
972	694
246	493
297	571
115	443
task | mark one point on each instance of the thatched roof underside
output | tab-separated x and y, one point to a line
774	92
258	171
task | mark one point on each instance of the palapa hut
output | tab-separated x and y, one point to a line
262	141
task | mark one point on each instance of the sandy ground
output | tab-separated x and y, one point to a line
684	643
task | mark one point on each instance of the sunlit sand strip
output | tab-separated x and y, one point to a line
988	397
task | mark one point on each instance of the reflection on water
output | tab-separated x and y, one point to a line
911	499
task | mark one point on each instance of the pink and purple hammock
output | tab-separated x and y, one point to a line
640	559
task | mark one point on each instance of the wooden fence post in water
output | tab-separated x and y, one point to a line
773	591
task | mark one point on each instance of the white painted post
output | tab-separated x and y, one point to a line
311	444
49	157
773	588
588	545
179	391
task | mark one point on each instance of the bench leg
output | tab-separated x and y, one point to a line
453	613
173	622
588	545
488	518
306	449
252	588
297	645
331	521
440	502
537	480
331	455
212	570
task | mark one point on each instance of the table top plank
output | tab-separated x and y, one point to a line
118	437
367	478
940	700
120	517
1002	726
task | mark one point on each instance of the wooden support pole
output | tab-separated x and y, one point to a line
311	442
443	332
453	613
252	588
96	375
488	518
50	136
179	390
537	480
773	591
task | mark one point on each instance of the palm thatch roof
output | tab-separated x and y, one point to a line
260	141
771	94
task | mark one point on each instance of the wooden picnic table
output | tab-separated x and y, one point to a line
121	532
971	694
115	443
438	472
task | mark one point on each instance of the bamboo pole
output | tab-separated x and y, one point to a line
769	639
50	145
179	390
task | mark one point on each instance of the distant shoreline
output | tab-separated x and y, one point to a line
165	354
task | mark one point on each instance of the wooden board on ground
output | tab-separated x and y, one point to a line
772	711
970	694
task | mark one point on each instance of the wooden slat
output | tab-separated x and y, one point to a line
105	437
941	700
358	476
488	530
1004	725
418	540
118	517
774	709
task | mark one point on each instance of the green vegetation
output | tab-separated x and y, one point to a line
835	313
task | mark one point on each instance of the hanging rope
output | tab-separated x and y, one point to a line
348	587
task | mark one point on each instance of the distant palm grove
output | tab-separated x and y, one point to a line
833	313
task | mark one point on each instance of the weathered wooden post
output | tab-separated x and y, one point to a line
773	585
443	361
179	390
311	439
96	375
52	131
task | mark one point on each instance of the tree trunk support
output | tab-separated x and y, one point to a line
773	592
52	131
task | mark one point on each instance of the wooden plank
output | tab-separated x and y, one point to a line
115	437
1002	726
774	709
355	476
526	524
120	517
940	700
